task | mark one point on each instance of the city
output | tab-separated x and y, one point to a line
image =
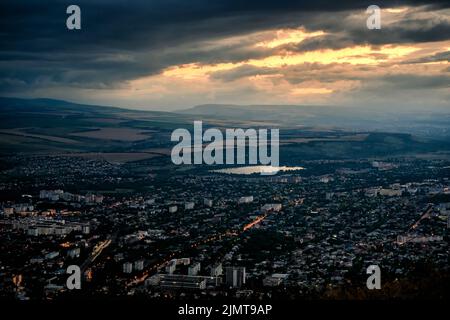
209	235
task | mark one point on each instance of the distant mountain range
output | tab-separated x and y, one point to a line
284	114
348	118
53	105
306	132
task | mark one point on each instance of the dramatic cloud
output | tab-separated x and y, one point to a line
171	54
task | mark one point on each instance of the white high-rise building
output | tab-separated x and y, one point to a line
247	199
171	267
86	229
235	276
216	270
127	267
194	269
173	209
189	205
139	265
271	207
208	202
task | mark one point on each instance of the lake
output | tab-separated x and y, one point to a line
256	169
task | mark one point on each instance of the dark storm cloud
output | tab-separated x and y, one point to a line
293	74
242	72
414	81
122	40
387	35
423	30
329	41
344	33
412	88
440	56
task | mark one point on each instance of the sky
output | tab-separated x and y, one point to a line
175	54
